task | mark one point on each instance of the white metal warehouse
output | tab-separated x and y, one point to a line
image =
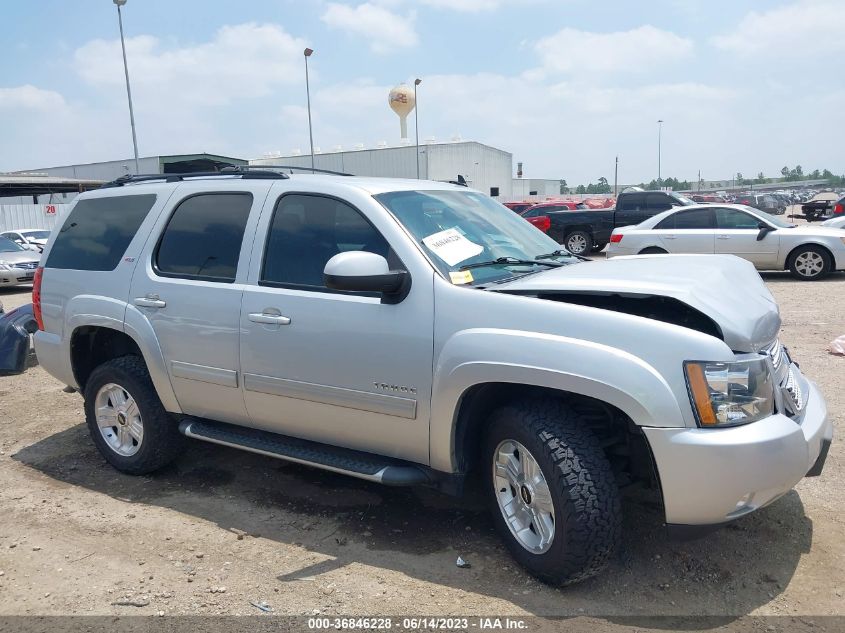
485	168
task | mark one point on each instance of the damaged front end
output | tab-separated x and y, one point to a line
16	327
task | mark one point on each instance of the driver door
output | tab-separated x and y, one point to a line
737	234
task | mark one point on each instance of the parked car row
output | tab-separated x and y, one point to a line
29	239
808	252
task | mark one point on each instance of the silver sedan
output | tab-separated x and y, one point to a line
808	251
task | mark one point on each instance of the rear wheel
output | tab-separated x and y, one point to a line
126	419
809	263
551	491
578	242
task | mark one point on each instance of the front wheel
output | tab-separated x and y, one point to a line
551	491
578	242
809	263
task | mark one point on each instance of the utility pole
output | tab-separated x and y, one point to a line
308	52
616	178
659	142
120	3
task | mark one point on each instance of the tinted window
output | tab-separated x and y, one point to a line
696	219
307	231
533	213
203	238
733	219
97	232
658	202
631	202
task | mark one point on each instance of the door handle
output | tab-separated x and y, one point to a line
671	237
150	301
723	237
269	319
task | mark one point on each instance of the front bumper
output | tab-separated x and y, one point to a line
712	476
17	276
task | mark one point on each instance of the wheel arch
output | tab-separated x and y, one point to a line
92	344
819	245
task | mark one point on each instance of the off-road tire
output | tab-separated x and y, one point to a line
586	245
161	442
792	263
588	514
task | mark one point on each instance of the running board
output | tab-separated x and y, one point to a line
383	470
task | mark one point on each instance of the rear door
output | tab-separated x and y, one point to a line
189	284
688	231
737	234
631	209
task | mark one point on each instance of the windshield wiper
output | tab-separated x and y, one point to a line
562	253
505	261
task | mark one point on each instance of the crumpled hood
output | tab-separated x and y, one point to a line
725	288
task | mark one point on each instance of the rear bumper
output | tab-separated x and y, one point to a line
54	357
712	476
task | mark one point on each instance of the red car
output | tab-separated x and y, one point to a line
518	207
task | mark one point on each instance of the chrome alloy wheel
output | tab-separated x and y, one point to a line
809	264
524	496
576	244
119	419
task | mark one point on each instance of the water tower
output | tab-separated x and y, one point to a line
402	102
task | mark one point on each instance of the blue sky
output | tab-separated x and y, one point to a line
565	85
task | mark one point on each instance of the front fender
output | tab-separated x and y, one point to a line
478	356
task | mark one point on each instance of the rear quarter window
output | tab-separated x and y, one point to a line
98	231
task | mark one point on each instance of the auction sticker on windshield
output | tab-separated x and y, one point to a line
452	247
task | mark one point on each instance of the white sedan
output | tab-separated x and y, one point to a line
836	223
809	251
30	239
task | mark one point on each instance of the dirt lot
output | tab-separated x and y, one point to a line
221	528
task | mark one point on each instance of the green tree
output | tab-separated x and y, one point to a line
581	189
761	179
564	188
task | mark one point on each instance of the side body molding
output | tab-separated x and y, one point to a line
477	356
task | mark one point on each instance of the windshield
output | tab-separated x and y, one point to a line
8	246
682	199
37	235
458	229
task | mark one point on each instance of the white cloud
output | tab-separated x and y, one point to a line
242	61
386	30
802	29
28	97
637	50
466	6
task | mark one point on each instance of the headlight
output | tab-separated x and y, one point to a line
5	266
729	394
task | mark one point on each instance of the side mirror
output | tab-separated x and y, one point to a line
359	271
765	229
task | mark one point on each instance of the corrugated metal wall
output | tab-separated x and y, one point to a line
486	167
29	216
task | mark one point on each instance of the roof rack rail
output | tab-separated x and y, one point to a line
240	171
292	167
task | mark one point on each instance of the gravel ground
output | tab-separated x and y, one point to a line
221	528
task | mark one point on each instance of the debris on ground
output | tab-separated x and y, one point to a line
262	605
462	563
837	347
141	602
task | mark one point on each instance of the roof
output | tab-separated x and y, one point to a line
33	184
371	185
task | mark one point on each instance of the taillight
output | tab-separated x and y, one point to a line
839	208
616	238
543	223
36	298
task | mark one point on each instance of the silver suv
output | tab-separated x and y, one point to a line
412	333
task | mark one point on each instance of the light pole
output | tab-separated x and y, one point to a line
308	52
659	142
417	82
118	4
